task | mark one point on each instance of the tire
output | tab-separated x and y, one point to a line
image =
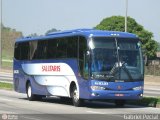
77	102
120	103
30	95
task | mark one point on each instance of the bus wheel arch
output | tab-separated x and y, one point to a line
75	95
30	95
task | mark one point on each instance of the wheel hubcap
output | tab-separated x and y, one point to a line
75	95
29	91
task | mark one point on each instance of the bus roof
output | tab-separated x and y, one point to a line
83	32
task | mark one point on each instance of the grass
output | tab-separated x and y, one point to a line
7	64
146	101
7	86
7	55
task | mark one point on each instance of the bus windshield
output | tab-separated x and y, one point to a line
116	59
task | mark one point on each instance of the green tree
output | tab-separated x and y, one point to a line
9	36
33	35
51	30
116	23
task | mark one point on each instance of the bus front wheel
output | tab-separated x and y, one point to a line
75	97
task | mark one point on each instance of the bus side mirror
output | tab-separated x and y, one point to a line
86	64
87	56
144	56
87	53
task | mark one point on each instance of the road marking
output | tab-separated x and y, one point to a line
6	112
145	92
7	75
5	60
3	81
30	118
94	112
151	89
4	99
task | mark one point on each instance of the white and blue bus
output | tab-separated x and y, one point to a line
82	64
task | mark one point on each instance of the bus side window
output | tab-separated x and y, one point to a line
52	49
62	48
40	52
17	51
24	51
72	47
33	47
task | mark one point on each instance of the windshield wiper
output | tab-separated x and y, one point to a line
127	71
120	64
118	67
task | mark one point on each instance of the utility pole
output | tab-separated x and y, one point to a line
1	39
126	16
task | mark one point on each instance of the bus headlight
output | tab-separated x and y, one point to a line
138	88
97	88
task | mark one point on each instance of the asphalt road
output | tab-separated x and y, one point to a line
152	90
15	105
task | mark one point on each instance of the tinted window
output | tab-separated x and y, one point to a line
22	51
17	51
62	48
72	47
51	48
40	50
33	49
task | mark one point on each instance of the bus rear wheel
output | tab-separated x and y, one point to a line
120	103
30	95
75	98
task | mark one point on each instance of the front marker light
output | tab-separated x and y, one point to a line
138	88
97	88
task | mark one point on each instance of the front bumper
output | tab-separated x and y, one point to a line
125	95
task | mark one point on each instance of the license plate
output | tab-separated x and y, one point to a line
119	95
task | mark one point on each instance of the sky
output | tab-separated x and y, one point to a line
38	16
